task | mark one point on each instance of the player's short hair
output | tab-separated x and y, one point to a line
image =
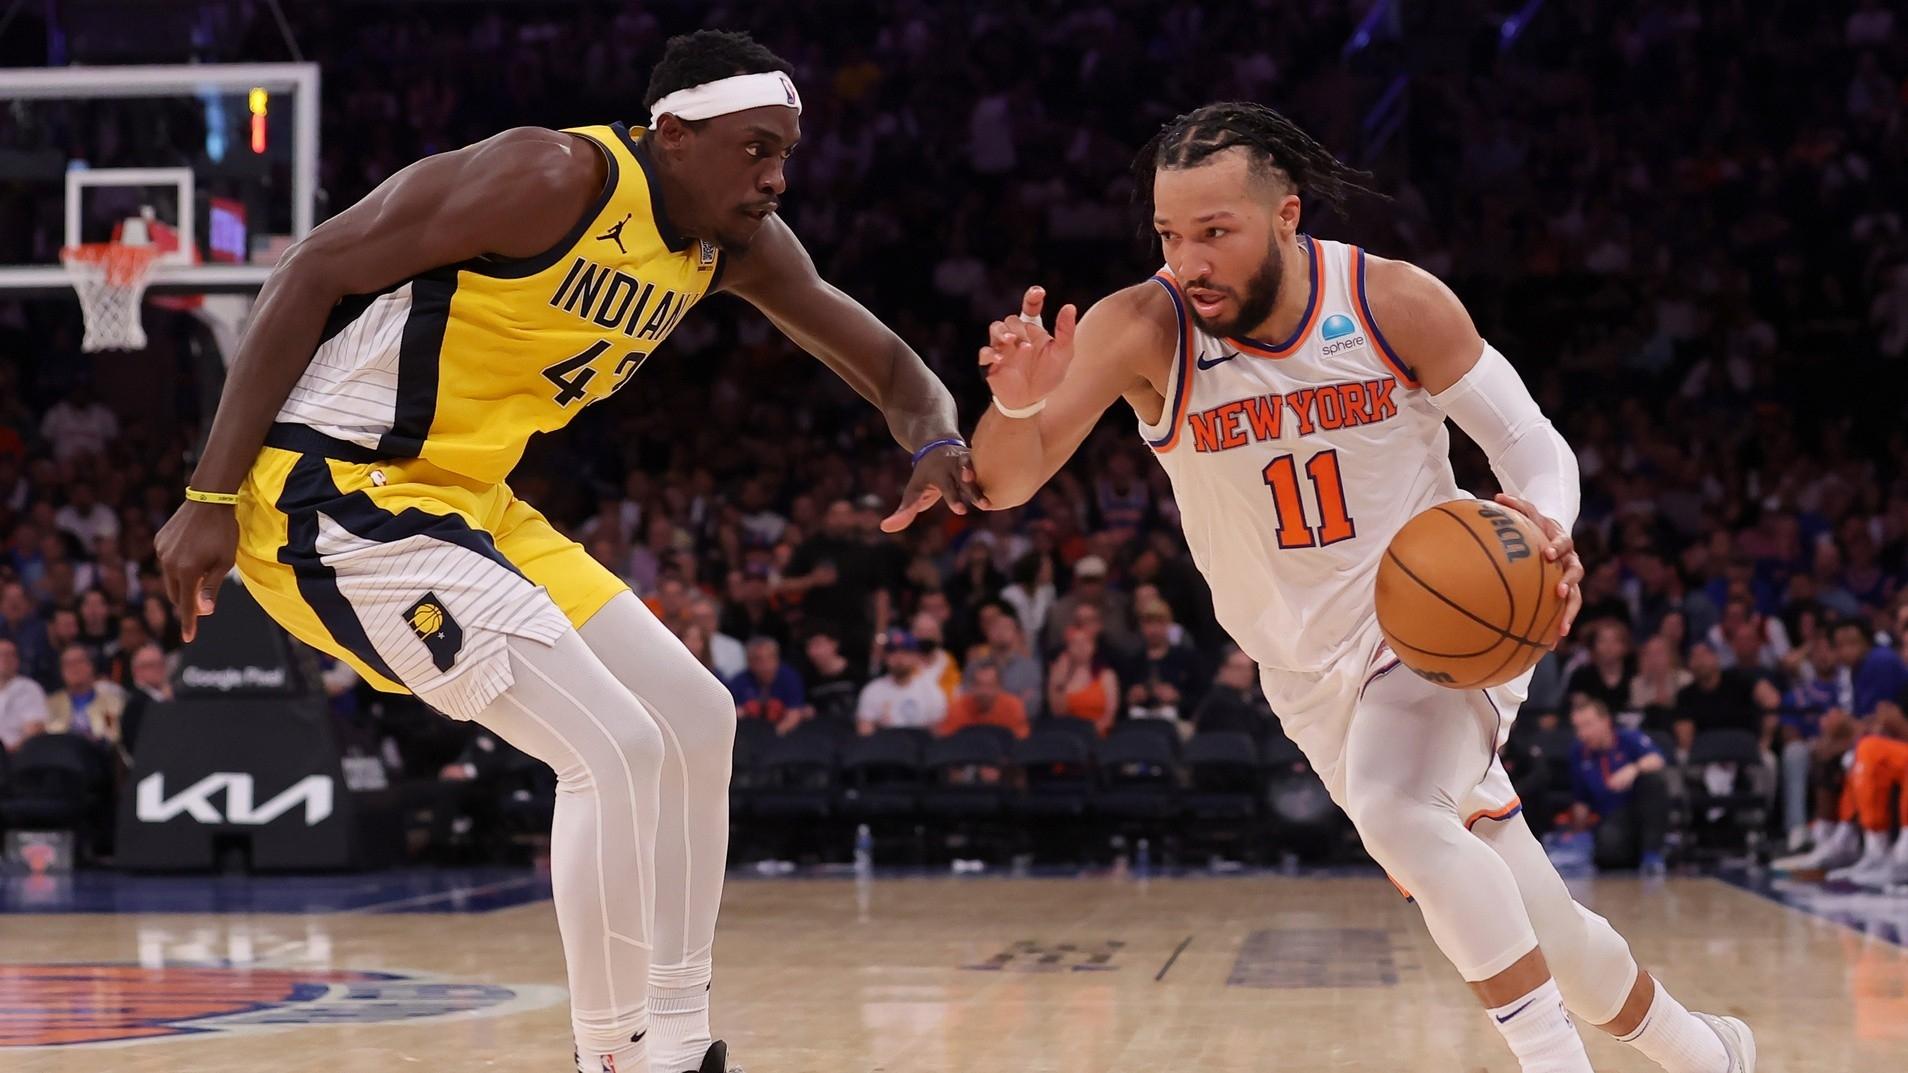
705	56
1278	148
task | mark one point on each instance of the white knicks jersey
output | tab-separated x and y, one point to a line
1294	463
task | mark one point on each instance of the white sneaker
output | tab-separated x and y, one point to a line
1870	868
1798	840
1840	849
1737	1040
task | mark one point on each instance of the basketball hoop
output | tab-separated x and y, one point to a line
111	280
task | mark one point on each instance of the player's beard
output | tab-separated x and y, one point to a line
1255	302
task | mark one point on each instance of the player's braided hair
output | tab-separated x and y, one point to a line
1276	143
704	56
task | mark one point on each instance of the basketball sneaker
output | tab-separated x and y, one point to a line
1841	848
1871	868
1737	1040
715	1060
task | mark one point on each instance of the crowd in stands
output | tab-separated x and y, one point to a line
1682	222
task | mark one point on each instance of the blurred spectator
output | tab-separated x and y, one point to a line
937	662
1715	699
1616	776
1031	592
97	630
1006	648
1234	703
22	701
85	517
1080	684
1870	673
1607	675
671	603
749	612
87	706
19	625
79	425
1659	679
985	703
1090	589
833	686
769	689
834	576
151	684
903	697
728	655
1164	680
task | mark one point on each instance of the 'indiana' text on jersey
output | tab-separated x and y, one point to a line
462	364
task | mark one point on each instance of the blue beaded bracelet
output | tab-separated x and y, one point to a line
954	441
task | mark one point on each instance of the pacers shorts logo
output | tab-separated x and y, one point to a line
53	1005
437	629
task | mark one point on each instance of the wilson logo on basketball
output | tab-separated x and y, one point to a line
73	1005
1508	534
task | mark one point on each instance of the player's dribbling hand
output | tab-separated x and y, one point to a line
1560	550
195	549
1024	363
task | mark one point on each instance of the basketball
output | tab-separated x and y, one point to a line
1465	596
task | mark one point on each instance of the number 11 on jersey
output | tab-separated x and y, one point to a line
1288	500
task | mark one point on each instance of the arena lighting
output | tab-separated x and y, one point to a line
258	101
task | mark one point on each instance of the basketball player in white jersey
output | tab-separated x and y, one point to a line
1295	390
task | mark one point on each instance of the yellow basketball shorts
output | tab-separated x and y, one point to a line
413	575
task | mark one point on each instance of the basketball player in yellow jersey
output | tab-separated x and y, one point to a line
399	359
1257	354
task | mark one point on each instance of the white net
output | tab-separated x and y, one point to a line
111	280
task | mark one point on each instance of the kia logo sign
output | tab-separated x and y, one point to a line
153	806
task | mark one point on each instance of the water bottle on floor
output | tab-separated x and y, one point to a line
864	850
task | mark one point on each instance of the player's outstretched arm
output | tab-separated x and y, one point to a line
1059	383
513	195
1472	383
777	277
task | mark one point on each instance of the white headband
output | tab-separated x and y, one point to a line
726	95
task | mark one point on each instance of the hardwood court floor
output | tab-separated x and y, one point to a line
925	976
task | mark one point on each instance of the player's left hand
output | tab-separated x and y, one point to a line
1560	550
947	473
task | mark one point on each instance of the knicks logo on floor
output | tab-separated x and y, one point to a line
55	1005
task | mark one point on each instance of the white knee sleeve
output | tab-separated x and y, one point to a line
1590	961
1467	895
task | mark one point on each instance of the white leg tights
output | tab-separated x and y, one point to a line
566	709
697	717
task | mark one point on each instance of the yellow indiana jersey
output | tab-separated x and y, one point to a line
460	365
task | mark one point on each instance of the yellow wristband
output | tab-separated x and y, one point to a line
224	499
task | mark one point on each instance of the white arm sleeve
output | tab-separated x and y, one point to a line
1492	405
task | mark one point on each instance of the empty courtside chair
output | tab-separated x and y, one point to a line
881	775
965	778
1229	720
1056	773
1002	738
1066	724
796	778
1139	782
1734	817
56	782
1224	793
1164	731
